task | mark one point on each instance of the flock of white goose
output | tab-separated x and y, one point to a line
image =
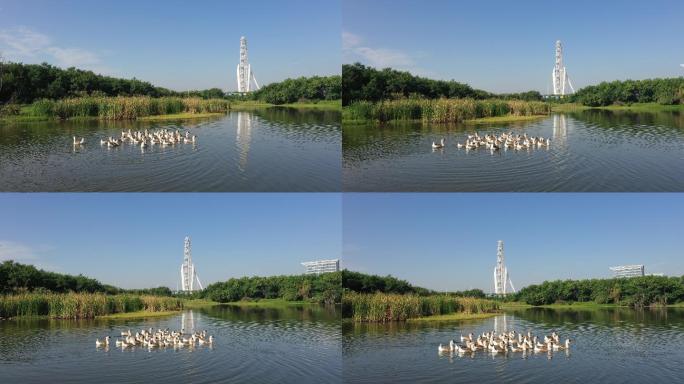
161	338
505	141
146	138
508	342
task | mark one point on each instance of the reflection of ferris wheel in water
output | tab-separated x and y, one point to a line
560	129
243	137
188	321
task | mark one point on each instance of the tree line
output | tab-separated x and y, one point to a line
300	89
635	291
661	91
323	288
364	83
364	283
16	277
24	83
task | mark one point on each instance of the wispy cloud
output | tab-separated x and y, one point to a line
353	49
25	44
22	253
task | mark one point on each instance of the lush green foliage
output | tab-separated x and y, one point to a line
362	83
124	108
24	83
363	283
81	305
324	288
383	307
661	91
635	291
20	277
300	89
442	110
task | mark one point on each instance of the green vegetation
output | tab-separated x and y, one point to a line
363	283
16	277
181	116
442	110
269	303
458	316
324	288
82	305
361	83
633	292
302	89
123	108
503	119
384	307
662	91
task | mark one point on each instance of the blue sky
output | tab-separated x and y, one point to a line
448	241
509	46
176	44
136	240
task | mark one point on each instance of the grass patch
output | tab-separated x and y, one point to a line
82	305
274	303
504	119
638	107
575	304
255	104
138	314
385	307
441	110
455	317
181	116
198	303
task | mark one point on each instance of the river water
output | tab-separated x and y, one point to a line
614	345
273	149
592	150
252	345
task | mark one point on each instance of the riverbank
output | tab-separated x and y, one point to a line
442	110
266	303
322	104
387	307
637	107
504	119
454	317
82	305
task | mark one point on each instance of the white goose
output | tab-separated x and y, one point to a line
437	146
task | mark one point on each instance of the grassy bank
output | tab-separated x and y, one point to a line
82	305
181	116
266	303
117	108
504	119
256	104
637	107
441	110
383	307
459	316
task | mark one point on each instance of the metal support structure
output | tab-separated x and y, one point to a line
188	273
501	278
245	76
559	76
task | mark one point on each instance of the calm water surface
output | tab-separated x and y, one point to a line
611	346
274	149
253	345
592	150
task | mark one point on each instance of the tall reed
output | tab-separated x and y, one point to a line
82	305
442	110
125	108
384	307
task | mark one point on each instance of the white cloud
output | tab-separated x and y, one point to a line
10	250
24	44
353	49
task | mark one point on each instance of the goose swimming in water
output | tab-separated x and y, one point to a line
99	343
80	141
438	145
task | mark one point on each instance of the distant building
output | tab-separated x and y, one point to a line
321	266
628	270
